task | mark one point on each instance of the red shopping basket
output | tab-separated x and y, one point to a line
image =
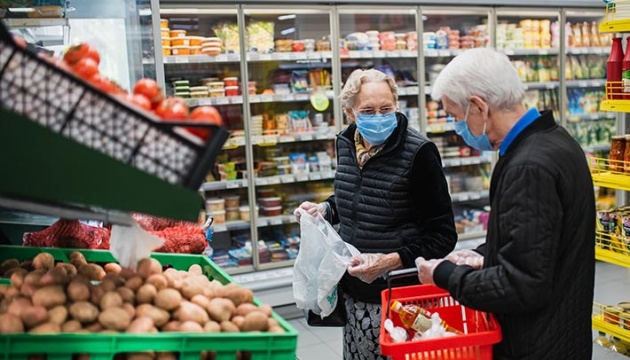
481	330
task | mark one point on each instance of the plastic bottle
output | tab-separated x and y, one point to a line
602	341
416	318
618	346
625	72
614	69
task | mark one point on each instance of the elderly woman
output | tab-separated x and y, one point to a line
390	200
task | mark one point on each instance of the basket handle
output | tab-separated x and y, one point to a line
397	275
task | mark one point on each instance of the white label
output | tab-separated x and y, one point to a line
219	228
261	181
302	177
221	58
551	86
281	97
367	54
257	139
236	99
314	55
284	56
266	98
270	139
204	101
330	174
287	179
265	57
412	90
379	54
402	91
455	163
543	52
299	56
233	57
315	176
302	97
321	136
393	54
307	137
253	56
254	99
262	223
276	221
181	60
273	180
233	184
444	53
222	100
430	52
582	84
475	196
326	54
241	141
287	138
354	54
508	52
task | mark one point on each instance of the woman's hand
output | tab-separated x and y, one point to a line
369	267
466	257
311	208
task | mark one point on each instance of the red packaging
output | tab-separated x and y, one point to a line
614	69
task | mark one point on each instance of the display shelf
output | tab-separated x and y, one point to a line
612	248
285	56
223	185
215	101
202	59
440	128
271	140
464	161
33	22
293	178
588	51
271	98
610	174
469	196
245	269
586	83
591	117
541	85
611	323
596	148
617	18
442	52
231	226
378	54
529	52
25	218
264	221
409	91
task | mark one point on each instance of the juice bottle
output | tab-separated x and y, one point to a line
416	318
614	69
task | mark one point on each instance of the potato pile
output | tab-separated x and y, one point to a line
78	297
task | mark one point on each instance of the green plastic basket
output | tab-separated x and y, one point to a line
261	346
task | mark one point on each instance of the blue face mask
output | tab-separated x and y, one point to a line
480	142
376	128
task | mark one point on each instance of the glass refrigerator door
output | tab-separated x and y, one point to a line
532	40
292	125
585	69
384	39
448	32
200	49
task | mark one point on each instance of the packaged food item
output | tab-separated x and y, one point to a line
215	204
180	50
195	50
322	45
165	33
244	213
232	201
218	216
309	45
180	41
166	50
283	45
216	85
217	93
177	33
163	23
271	211
299	81
230	81
232	214
617	151
413	317
195	40
231	90
259	36
166	41
270	201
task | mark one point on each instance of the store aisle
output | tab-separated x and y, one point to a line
612	285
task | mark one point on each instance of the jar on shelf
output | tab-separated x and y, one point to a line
617	151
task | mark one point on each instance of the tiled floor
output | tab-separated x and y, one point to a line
612	285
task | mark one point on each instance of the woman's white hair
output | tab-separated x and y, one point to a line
358	77
482	72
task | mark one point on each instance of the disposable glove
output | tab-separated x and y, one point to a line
368	267
312	209
426	268
466	257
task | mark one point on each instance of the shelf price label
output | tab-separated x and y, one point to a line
261	181
379	54
219	228
254	99
444	53
354	54
286	97
287	179
181	59
301	97
221	58
284	56
286	138
222	100
236	99
202	101
306	137
233	184
265	57
273	180
253	56
314	55
276	221
257	139
430	53
266	98
315	176
302	177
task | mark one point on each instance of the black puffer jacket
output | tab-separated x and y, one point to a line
398	202
539	259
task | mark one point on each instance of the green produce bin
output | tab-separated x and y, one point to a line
261	346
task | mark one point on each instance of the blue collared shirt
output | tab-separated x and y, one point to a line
530	116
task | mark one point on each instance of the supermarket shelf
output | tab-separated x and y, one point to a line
292	178
469	196
541	85
285	97
524	52
264	221
471	235
272	140
613	249
607	175
591	117
238	270
463	161
440	128
442	52
588	51
379	54
285	56
201	59
615	26
615	105
409	90
32	22
609	323
586	83
596	148
222	185
214	101
231	226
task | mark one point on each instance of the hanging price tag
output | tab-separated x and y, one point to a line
320	101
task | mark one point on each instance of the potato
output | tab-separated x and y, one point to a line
70	269
114	319
96	293
200	300
111	299
149	355
255	321
27	265
171	275
172	326
11	293
245	309
49	296
71	326
43	261
195	269
76	255
168	299
78	263
116	279
47	328
212	327
238	320
192	286
146	294
84	312
28	290
91	272
159	316
34	316
11	324
7	274
238	295
17	305
94	327
127	295
108	285
129	309
188	311
228	326
112	268
58	315
34	278
54	276
220	309
78	290
8	264
166	356
148	266
142	324
276	330
17	278
266	309
190	326
272	322
158	280
134	283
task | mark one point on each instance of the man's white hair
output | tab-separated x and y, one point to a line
482	72
352	86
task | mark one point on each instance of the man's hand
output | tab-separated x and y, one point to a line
426	268
369	267
466	257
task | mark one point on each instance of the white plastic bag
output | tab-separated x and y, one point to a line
129	244
320	264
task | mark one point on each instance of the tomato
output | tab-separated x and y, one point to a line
205	114
172	109
94	55
76	53
85	68
140	101
105	85
150	89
